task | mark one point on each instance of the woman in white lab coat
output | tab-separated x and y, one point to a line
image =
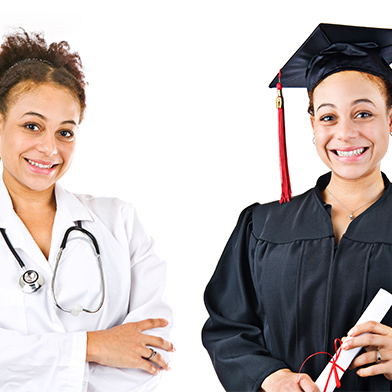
123	345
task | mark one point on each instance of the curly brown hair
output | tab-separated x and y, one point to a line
29	59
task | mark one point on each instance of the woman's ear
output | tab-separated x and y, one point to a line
312	121
2	121
390	120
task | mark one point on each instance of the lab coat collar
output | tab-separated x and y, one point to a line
15	229
6	209
69	205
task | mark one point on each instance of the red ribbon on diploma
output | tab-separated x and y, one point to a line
334	367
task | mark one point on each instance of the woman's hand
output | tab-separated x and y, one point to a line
285	380
376	337
126	346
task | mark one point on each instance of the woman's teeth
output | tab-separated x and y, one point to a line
351	153
39	165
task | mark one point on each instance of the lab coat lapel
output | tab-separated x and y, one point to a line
6	210
69	205
17	232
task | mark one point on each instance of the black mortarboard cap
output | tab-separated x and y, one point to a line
333	48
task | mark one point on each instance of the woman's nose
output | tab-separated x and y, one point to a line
346	130
48	144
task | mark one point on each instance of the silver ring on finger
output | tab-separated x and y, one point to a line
153	353
378	360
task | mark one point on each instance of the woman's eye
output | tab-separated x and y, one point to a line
66	134
327	118
364	115
32	127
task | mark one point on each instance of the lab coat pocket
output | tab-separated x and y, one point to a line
12	311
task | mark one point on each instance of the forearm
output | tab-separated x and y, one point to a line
126	346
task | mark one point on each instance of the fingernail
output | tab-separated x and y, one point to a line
346	343
350	332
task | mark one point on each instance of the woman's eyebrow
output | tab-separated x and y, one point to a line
357	101
44	118
35	114
326	105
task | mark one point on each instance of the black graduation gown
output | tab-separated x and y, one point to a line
282	290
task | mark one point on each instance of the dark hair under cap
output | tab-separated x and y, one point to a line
333	48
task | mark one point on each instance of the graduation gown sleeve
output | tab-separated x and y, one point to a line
233	334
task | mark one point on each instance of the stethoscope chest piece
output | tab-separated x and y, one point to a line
31	281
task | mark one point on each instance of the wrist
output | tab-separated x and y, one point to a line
272	379
91	347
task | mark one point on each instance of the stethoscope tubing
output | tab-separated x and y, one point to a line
58	257
38	281
12	249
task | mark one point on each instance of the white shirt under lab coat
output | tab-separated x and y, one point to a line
43	348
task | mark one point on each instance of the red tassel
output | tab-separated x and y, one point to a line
284	168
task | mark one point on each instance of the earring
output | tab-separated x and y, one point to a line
314	139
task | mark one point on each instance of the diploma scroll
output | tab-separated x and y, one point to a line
376	311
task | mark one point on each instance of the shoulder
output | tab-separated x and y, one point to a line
101	204
304	217
111	212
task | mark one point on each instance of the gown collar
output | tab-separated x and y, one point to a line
324	180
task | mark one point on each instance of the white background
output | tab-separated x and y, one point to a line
180	122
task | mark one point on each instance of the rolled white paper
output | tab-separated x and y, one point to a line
376	311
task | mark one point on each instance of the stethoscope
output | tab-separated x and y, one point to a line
31	280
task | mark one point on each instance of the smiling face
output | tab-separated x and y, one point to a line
37	136
351	124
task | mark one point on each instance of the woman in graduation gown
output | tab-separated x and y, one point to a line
77	345
294	276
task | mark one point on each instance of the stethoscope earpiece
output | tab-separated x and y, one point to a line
31	281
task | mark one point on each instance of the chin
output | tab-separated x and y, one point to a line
353	175
38	185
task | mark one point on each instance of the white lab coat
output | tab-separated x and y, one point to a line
43	348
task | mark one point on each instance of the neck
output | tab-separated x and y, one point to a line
356	193
366	186
26	199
